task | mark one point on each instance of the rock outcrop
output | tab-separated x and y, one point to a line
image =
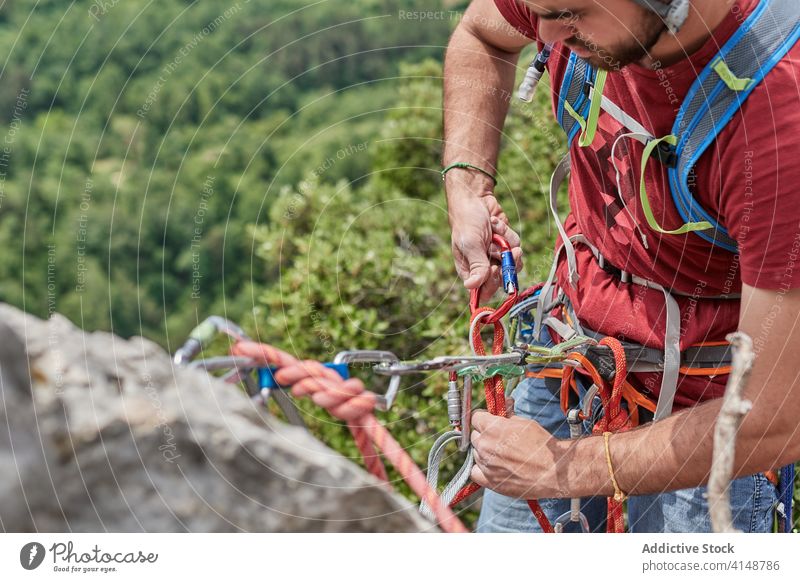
98	433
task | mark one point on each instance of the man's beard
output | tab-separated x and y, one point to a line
614	58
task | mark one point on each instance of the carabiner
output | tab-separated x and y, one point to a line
203	334
571	517
374	357
510	282
574	515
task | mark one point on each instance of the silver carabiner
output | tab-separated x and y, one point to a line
466	413
572	517
223	363
374	357
447	364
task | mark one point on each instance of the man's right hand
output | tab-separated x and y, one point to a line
479	73
473	220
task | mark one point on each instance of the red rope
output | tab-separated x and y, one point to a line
348	400
615	418
494	387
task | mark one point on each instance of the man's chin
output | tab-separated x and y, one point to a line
608	62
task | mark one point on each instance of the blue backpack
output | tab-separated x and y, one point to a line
762	40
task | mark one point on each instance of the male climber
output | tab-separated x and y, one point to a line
746	182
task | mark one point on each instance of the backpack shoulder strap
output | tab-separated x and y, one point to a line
574	92
719	92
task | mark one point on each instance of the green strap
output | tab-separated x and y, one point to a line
648	211
733	82
576	116
557	353
594	110
479	374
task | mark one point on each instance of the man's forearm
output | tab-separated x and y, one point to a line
674	453
477	89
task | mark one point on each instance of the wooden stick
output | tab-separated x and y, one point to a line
730	417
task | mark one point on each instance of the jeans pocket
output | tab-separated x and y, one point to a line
753	501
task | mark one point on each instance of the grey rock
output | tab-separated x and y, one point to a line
98	433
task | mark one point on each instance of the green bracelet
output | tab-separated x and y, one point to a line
465	166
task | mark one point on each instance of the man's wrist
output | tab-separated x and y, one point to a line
584	468
463	183
472	168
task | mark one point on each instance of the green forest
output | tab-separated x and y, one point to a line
275	162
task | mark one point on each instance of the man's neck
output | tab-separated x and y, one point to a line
704	18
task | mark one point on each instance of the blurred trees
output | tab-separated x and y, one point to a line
142	138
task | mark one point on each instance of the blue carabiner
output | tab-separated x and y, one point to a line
509	270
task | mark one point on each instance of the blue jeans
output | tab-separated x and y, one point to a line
753	498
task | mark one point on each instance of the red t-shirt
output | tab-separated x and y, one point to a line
748	179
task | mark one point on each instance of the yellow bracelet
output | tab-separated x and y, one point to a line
619	496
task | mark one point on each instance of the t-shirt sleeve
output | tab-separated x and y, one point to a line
519	16
760	180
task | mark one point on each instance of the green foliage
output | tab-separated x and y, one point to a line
143	138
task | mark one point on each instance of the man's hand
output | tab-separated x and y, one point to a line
473	220
515	456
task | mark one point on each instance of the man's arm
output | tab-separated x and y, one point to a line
674	453
479	75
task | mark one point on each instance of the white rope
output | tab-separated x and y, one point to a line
734	407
